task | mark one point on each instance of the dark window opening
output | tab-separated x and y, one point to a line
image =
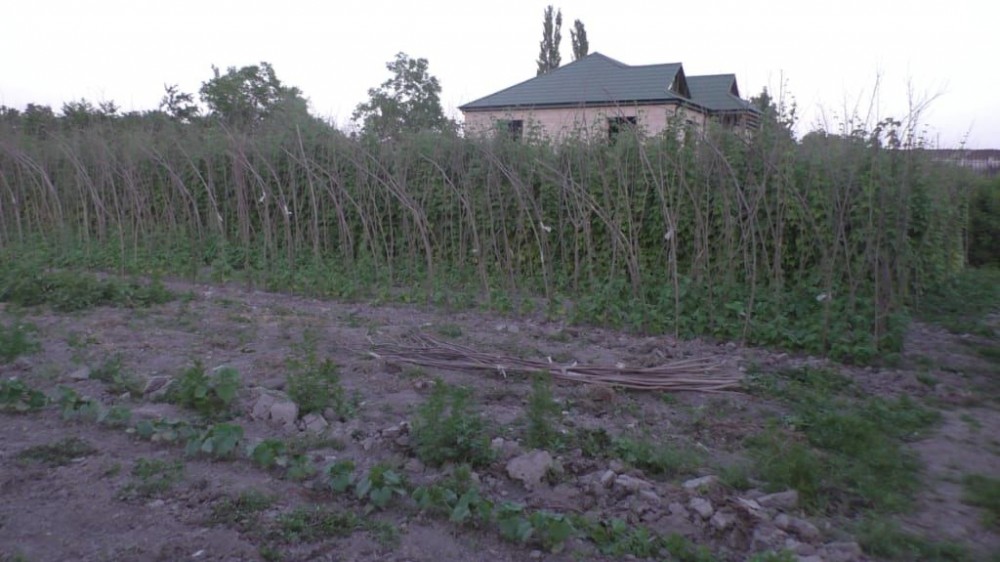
513	128
618	125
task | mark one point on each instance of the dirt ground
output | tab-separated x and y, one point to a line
86	509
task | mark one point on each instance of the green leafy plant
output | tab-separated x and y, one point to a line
219	440
658	459
379	486
340	475
110	372
448	429
512	523
210	395
73	406
300	467
165	431
551	530
268	453
19	397
243	511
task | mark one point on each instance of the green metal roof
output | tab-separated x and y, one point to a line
592	80
717	92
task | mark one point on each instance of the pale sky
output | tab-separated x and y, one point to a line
830	54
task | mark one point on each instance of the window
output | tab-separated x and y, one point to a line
512	128
618	125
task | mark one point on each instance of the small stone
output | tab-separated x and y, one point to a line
402	441
414	466
631	483
676	508
702	507
284	413
723	519
799	548
804	529
274	383
530	468
699	483
789	499
395	431
155	384
649	495
81	374
767	536
314	423
608	478
331	415
155	503
535	554
783	522
617	465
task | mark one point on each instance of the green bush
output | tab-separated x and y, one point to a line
315	386
210	395
16	340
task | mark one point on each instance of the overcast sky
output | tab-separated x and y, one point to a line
829	54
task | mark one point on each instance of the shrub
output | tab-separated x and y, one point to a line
448	429
209	395
315	386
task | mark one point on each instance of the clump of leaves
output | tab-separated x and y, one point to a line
340	475
268	453
883	538
455	497
110	372
152	477
448	429
219	440
59	453
19	397
73	406
68	291
310	524
657	458
165	431
210	395
542	410
315	385
16	340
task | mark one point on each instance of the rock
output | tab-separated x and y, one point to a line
608	478
331	415
414	466
799	548
274	383
702	507
750	507
81	374
650	496
617	465
156	386
155	503
530	468
723	519
840	552
676	508
284	413
631	483
509	328
505	449
402	441
804	529
314	423
783	521
789	499
767	536
535	554
699	483
395	431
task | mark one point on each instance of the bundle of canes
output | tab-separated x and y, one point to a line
696	374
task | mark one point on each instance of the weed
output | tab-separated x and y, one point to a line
542	410
243	511
59	453
211	396
110	372
782	556
300	467
268	453
152	477
883	538
736	476
927	379
16	340
658	459
314	523
983	491
450	330
315	386
165	431
19	397
67	291
73	406
594	443
448	429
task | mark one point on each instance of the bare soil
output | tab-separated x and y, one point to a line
84	511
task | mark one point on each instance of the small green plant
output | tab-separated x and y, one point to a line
110	372
59	453
152	477
983	491
16	340
268	453
219	440
165	431
311	524
542	411
243	511
210	395
68	291
300	467
19	397
73	406
658	459
594	443
450	330
448	429
379	486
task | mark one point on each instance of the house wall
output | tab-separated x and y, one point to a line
562	122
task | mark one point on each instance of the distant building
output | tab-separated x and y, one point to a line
597	95
986	162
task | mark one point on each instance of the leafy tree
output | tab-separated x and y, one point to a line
549	58
38	119
246	96
178	105
578	35
408	102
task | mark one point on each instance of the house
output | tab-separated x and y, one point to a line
597	95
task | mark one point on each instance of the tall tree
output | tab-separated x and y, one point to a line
549	57
408	102
177	104
578	35
244	97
